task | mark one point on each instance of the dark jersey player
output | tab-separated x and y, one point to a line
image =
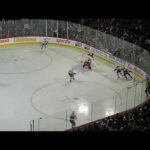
118	71
91	55
127	72
73	117
147	90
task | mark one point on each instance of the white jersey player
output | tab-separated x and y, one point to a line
89	57
44	43
71	75
88	61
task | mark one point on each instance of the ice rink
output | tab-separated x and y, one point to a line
34	83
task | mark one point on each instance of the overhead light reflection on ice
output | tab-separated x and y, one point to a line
109	112
83	109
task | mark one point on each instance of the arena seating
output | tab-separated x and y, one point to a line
133	30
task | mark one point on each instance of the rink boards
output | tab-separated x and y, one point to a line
103	55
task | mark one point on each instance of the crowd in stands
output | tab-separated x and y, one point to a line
137	119
133	30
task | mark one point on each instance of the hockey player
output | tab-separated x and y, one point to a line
147	90
73	117
87	64
91	55
118	70
44	43
127	72
71	75
88	56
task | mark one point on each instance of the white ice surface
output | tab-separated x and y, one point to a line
34	83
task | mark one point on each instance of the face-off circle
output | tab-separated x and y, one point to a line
56	97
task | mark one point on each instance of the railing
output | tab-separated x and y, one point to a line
120	48
83	127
